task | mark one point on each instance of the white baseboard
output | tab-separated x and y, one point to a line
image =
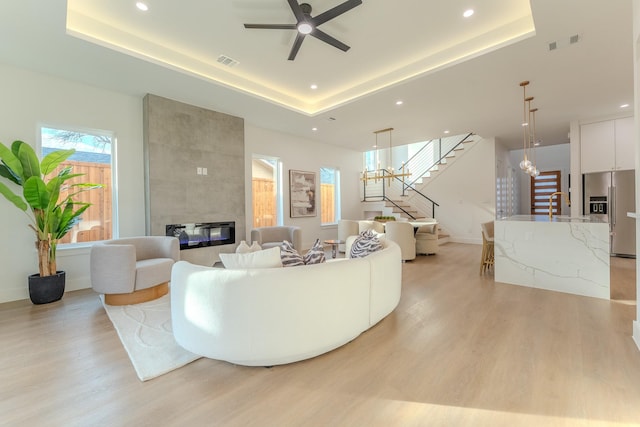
636	333
77	283
15	294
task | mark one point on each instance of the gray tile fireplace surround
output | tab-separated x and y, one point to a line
178	139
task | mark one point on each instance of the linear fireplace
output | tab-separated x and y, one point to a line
198	235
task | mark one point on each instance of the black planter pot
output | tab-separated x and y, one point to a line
43	290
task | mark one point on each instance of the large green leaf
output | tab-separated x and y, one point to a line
53	188
9	174
53	159
29	161
35	193
68	219
11	161
12	197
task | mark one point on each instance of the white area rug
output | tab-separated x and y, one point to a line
146	334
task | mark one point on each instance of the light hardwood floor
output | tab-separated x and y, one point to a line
460	350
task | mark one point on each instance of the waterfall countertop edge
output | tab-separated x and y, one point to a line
556	218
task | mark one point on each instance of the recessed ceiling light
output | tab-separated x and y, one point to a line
446	131
624	105
314	129
467	13
399	102
142	6
314	86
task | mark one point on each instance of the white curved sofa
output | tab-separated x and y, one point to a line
272	316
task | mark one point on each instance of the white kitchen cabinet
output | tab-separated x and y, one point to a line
597	142
625	147
607	145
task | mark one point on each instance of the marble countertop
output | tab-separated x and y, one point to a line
556	218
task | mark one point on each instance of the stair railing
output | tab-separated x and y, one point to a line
386	186
431	155
424	160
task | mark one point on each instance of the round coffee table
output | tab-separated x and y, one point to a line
334	246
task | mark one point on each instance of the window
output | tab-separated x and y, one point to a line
93	158
266	191
329	196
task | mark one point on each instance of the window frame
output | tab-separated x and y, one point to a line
336	195
279	201
114	181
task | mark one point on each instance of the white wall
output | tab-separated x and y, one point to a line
551	158
466	193
304	155
636	108
29	100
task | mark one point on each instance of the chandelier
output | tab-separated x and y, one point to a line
528	163
389	172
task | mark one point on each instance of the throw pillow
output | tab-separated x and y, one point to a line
243	248
268	258
289	256
365	244
315	255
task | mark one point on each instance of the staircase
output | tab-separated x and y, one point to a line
408	198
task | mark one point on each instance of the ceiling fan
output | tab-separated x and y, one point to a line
307	24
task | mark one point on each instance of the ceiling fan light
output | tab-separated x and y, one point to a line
305	28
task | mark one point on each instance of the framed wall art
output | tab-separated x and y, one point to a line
302	193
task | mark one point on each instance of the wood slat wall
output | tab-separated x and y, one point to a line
264	202
97	220
327	203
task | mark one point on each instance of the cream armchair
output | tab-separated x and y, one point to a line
346	228
268	237
427	239
133	270
402	234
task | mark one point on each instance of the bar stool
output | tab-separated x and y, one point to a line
487	260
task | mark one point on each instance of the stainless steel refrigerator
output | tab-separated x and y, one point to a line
610	195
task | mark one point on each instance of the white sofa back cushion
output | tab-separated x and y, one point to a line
266	258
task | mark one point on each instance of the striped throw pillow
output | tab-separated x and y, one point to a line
315	255
365	244
289	256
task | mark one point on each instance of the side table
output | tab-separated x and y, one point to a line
334	246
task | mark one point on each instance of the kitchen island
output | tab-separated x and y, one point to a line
564	254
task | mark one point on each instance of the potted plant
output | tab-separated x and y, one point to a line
52	215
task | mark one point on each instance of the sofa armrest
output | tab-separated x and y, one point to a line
113	268
150	247
429	228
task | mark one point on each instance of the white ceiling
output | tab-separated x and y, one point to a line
452	73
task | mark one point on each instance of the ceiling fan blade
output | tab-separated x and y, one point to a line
296	46
272	26
297	10
335	11
328	39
